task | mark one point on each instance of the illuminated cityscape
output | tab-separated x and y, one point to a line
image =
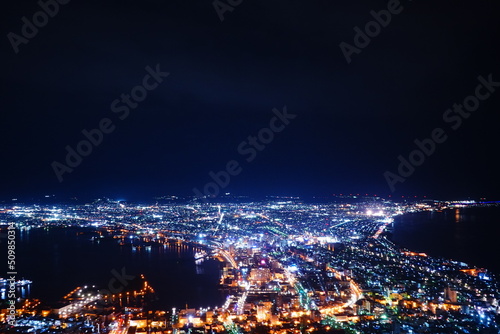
286	266
250	167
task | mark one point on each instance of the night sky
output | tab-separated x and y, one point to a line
348	121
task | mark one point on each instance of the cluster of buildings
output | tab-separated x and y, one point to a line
288	266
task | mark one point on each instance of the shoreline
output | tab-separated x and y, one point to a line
420	241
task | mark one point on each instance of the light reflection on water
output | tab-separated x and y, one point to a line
59	260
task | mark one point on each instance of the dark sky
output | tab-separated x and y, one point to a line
352	120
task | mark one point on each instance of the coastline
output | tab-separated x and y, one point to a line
462	235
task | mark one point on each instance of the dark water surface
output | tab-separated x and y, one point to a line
59	259
469	235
